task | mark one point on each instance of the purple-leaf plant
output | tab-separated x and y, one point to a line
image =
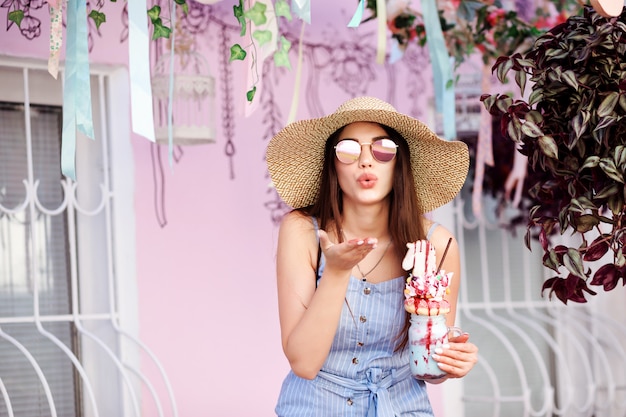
573	130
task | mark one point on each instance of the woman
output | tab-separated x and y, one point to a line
360	181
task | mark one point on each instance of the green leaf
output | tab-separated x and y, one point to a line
250	94
579	125
98	18
549	147
237	53
607	191
262	36
619	156
520	79
160	31
608	104
154	14
184	4
605	122
574	263
503	103
16	16
535	97
586	222
608	166
615	204
238	13
281	57
514	129
503	69
489	101
282	9
530	129
569	77
256	13
591	162
534	116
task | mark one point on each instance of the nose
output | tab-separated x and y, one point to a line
365	159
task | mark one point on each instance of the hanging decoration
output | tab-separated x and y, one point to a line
263	32
56	35
142	116
76	88
184	88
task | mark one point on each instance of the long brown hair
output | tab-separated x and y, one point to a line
405	214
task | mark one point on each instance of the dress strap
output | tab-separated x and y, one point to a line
317	228
319	265
431	229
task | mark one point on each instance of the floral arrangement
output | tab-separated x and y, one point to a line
471	26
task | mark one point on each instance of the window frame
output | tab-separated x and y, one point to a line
112	95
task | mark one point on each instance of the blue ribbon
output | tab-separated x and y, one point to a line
76	87
442	68
358	15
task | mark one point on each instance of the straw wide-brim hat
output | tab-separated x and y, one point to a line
295	155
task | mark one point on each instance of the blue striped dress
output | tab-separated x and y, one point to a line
362	375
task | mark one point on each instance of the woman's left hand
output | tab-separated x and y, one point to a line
458	357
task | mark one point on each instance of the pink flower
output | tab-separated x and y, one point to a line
494	17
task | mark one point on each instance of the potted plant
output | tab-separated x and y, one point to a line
573	130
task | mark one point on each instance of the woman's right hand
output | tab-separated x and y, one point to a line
345	255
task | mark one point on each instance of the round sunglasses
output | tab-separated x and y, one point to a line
348	151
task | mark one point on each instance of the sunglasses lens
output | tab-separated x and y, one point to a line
384	150
348	151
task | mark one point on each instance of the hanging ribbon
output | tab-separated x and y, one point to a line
302	9
264	51
484	146
76	86
395	52
381	47
170	99
296	90
56	35
442	68
357	17
142	115
381	17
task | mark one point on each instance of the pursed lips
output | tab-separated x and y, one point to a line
367	180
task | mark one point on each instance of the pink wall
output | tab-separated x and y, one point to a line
207	299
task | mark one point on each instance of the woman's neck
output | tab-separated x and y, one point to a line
366	221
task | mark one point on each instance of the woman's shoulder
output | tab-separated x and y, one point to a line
435	230
298	223
297	219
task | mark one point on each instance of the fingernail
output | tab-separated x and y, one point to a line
439	351
435	356
360	242
445	346
371	241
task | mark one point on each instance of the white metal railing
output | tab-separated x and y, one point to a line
98	350
537	357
